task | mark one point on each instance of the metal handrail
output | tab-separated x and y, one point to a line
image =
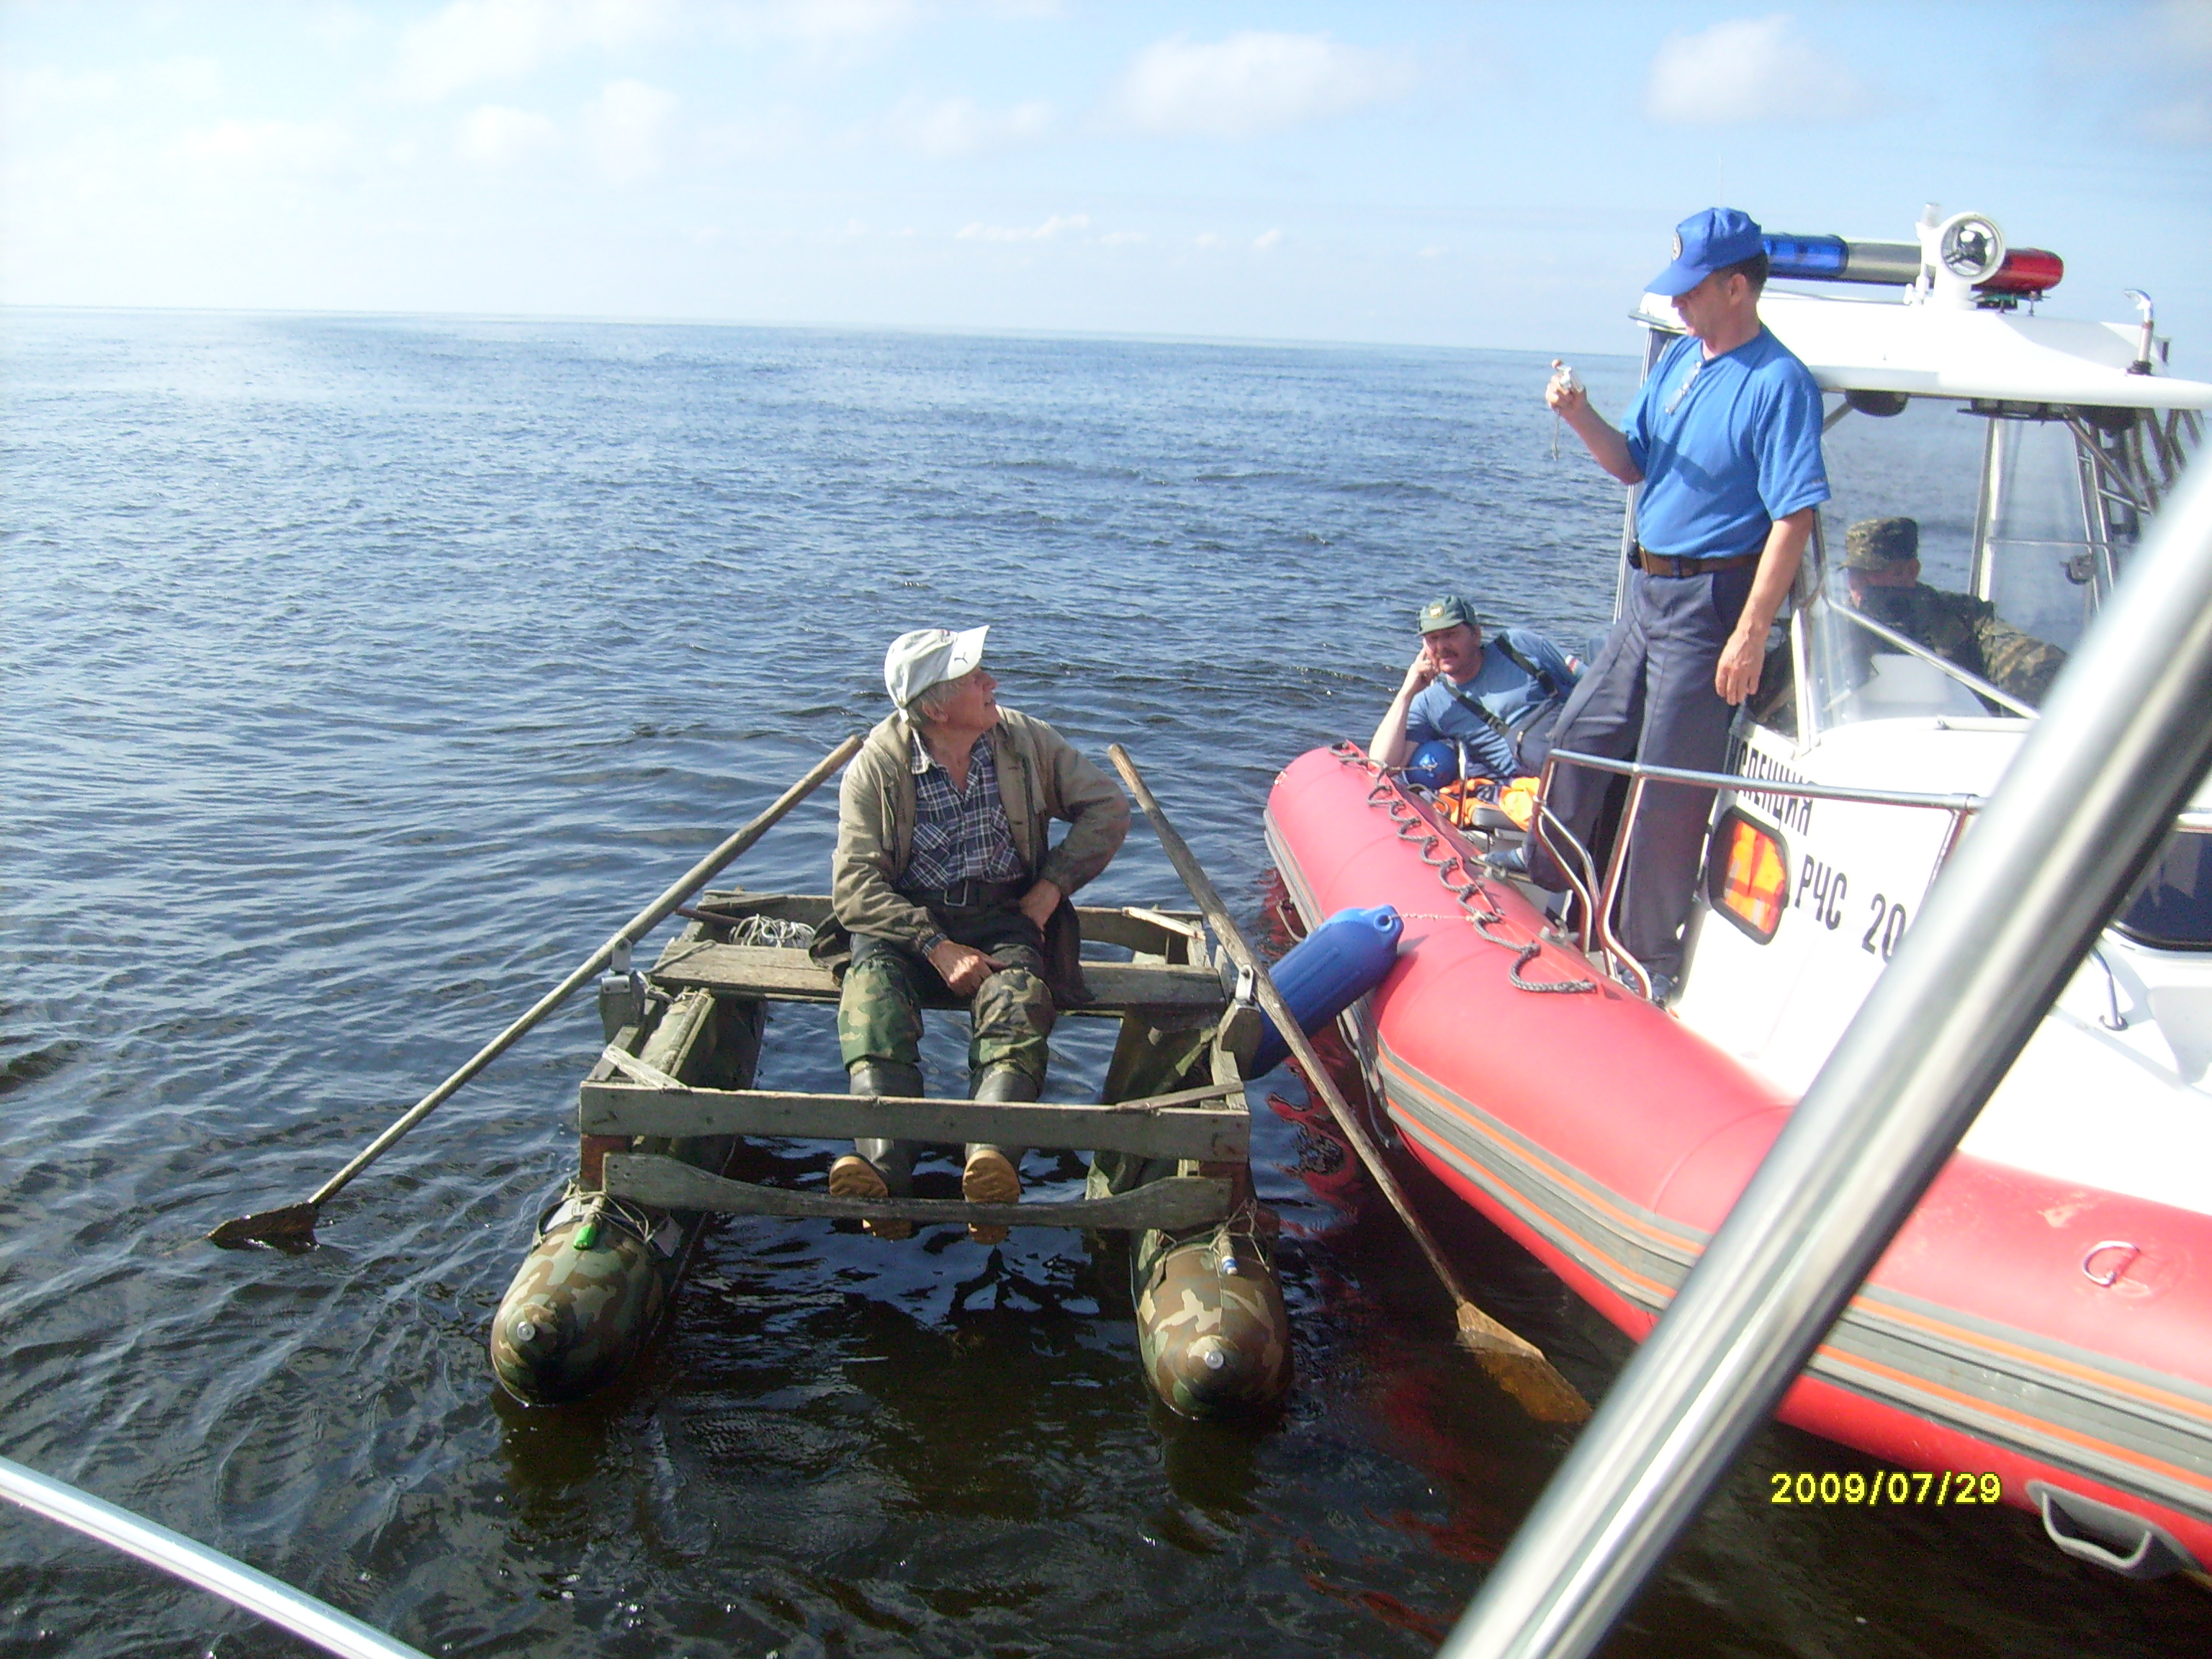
196	1564
2099	780
1597	901
1742	784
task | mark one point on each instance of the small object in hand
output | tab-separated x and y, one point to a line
1565	379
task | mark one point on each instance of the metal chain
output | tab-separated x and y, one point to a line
1476	904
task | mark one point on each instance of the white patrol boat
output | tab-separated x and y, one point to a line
2039	1333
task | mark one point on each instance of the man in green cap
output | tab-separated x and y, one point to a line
1495	700
1881	567
945	872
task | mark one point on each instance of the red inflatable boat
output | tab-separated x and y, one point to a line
1992	1352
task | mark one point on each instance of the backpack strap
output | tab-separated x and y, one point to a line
1543	676
1478	708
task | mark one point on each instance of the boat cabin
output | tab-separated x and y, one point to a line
2033	451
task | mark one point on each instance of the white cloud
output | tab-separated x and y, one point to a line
495	135
1750	70
824	21
626	129
1044	233
468	41
1268	240
48	96
1124	238
1255	81
232	150
958	126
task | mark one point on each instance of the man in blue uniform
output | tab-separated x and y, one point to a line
1724	436
1496	700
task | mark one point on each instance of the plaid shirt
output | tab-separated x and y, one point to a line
958	834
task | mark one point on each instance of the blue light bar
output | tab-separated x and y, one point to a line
1832	259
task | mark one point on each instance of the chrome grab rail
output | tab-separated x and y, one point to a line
196	1564
2121	748
1745	786
1597	900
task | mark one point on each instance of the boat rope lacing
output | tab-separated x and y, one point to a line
1476	906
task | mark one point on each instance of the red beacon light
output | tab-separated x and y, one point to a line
2027	273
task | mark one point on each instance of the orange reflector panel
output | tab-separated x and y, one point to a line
1747	875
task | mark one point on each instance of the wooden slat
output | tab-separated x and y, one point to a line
752	970
1168	1126
1176	1202
1135	928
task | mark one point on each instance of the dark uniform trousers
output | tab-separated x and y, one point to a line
1649	695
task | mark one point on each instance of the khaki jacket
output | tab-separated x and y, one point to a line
1041	776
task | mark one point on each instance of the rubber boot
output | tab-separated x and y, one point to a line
992	1174
880	1169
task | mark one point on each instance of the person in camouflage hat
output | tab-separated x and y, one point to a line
1881	566
944	874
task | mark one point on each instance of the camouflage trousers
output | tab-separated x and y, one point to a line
879	1011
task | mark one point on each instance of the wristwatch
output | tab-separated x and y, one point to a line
930	941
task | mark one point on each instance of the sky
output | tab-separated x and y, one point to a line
1452	174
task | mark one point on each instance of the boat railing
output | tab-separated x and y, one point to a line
196	1564
1595	899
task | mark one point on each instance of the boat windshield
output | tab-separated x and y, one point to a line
2013	553
2171	908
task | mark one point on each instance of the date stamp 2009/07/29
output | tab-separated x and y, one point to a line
1949	1487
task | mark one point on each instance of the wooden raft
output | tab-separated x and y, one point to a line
1206	1131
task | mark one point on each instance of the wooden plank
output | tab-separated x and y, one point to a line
1176	1202
1168	1126
752	970
1134	927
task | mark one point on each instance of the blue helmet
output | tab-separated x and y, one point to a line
1434	764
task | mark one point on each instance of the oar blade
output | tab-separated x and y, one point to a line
292	1228
1520	1368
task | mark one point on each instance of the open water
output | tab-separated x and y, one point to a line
361	674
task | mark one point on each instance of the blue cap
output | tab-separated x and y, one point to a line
1704	243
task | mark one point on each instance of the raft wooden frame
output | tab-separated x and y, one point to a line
1159	1126
1176	1201
1175	984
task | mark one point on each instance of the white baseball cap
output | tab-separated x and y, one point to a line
927	657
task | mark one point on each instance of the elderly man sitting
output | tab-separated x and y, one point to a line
944	871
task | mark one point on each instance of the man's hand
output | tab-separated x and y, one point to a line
962	967
1566	399
1737	676
1040	901
1607	447
1422	671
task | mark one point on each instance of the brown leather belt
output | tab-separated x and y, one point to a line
1664	564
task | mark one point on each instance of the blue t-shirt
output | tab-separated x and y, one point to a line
1727	445
1500	686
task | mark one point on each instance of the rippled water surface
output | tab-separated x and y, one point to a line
360	676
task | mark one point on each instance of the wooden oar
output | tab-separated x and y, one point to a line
294	1224
1517	1364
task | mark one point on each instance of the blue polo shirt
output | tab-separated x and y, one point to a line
1501	687
1726	445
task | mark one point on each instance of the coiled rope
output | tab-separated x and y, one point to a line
1475	903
